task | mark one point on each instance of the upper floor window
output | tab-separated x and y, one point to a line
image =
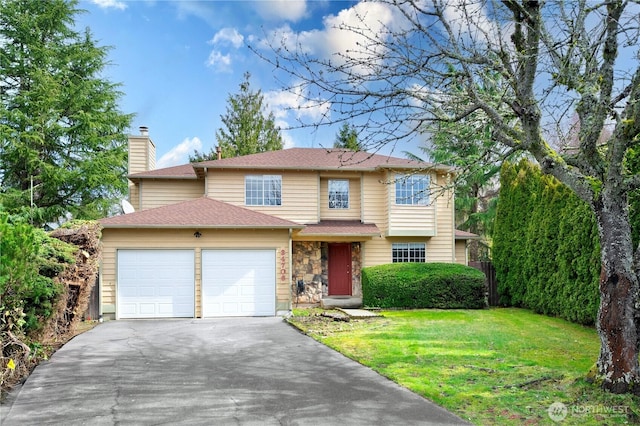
263	190
338	194
412	189
409	252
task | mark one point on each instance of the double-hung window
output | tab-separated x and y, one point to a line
263	190
409	252
338	194
412	190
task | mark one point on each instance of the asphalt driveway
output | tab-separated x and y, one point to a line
230	371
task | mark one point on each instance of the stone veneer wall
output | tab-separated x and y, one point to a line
310	264
356	269
308	267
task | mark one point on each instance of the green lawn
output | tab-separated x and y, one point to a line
492	366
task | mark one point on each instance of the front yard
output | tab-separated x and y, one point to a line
492	366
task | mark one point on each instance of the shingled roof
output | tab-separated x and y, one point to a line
343	228
199	213
464	235
315	159
292	159
184	171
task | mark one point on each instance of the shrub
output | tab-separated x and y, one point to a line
30	263
546	249
30	260
423	285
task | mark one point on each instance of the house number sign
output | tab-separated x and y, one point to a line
283	265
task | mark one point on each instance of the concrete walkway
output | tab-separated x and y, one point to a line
243	371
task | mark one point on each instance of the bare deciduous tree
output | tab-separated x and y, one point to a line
556	59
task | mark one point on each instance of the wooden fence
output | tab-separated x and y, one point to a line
492	285
93	307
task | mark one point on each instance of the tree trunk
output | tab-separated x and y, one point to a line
619	289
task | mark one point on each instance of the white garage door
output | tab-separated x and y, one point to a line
238	283
156	283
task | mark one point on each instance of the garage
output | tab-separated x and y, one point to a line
156	283
238	283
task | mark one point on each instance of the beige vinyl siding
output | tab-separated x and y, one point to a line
162	192
374	200
114	239
142	154
441	246
375	209
412	220
461	252
409	220
352	213
299	193
134	195
227	186
376	252
379	250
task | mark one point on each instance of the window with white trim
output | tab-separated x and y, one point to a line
412	190
409	252
338	194
263	190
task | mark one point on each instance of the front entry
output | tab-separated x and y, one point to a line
340	269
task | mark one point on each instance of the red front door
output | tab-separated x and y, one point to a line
340	269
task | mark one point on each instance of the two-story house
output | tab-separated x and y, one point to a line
255	235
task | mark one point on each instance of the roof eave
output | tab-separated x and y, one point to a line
438	168
196	226
269	167
135	178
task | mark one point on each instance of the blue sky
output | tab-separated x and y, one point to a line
178	61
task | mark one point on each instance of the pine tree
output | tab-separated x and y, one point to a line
63	143
247	128
347	138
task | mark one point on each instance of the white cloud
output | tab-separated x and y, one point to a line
287	139
106	4
469	21
219	61
179	154
290	10
282	102
224	37
342	35
201	10
228	35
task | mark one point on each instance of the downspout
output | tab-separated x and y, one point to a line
318	200
453	219
140	196
100	319
206	182
362	217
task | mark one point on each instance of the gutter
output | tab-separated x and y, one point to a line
200	226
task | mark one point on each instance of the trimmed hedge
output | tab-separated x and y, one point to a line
423	285
546	248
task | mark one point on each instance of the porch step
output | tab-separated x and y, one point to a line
359	313
348	302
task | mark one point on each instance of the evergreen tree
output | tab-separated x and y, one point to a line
63	143
347	138
247	128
